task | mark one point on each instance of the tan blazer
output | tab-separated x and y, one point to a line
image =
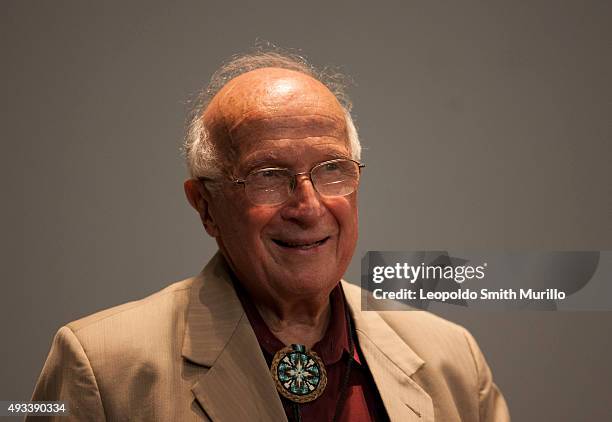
188	353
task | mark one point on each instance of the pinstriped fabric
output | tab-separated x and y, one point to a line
454	373
214	312
238	385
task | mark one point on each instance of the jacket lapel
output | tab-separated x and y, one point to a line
391	362
237	385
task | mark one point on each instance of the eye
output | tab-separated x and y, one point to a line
268	174
269	177
331	167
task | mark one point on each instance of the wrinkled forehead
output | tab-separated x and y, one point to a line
271	103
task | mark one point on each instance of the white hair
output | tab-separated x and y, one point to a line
201	155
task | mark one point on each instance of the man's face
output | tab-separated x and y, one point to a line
279	118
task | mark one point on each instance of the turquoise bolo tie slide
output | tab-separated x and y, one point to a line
298	373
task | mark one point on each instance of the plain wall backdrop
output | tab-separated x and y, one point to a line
484	126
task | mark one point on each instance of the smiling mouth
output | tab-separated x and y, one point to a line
300	245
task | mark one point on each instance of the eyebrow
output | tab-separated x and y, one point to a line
262	159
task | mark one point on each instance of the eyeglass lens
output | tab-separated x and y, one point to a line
274	186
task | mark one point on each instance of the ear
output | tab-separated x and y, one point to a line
200	199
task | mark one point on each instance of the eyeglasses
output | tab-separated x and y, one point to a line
274	186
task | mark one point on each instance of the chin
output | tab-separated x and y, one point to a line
309	283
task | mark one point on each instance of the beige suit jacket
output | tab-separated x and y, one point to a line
188	353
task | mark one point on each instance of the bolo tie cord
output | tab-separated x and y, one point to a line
297	416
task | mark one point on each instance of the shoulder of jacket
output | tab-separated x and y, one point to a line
157	302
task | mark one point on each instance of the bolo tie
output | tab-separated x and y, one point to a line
300	376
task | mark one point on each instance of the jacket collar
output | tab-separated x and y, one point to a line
237	384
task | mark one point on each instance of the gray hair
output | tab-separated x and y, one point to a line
200	152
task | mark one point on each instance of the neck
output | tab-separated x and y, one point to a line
292	319
303	323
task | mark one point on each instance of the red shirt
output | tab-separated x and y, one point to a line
362	403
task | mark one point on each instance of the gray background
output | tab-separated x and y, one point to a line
485	126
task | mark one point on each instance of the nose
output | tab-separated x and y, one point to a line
304	206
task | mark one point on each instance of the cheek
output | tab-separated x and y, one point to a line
345	213
244	225
228	218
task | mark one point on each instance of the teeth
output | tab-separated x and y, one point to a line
300	245
305	246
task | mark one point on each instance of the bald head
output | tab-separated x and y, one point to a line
271	93
273	104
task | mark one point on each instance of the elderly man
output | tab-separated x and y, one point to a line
268	331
